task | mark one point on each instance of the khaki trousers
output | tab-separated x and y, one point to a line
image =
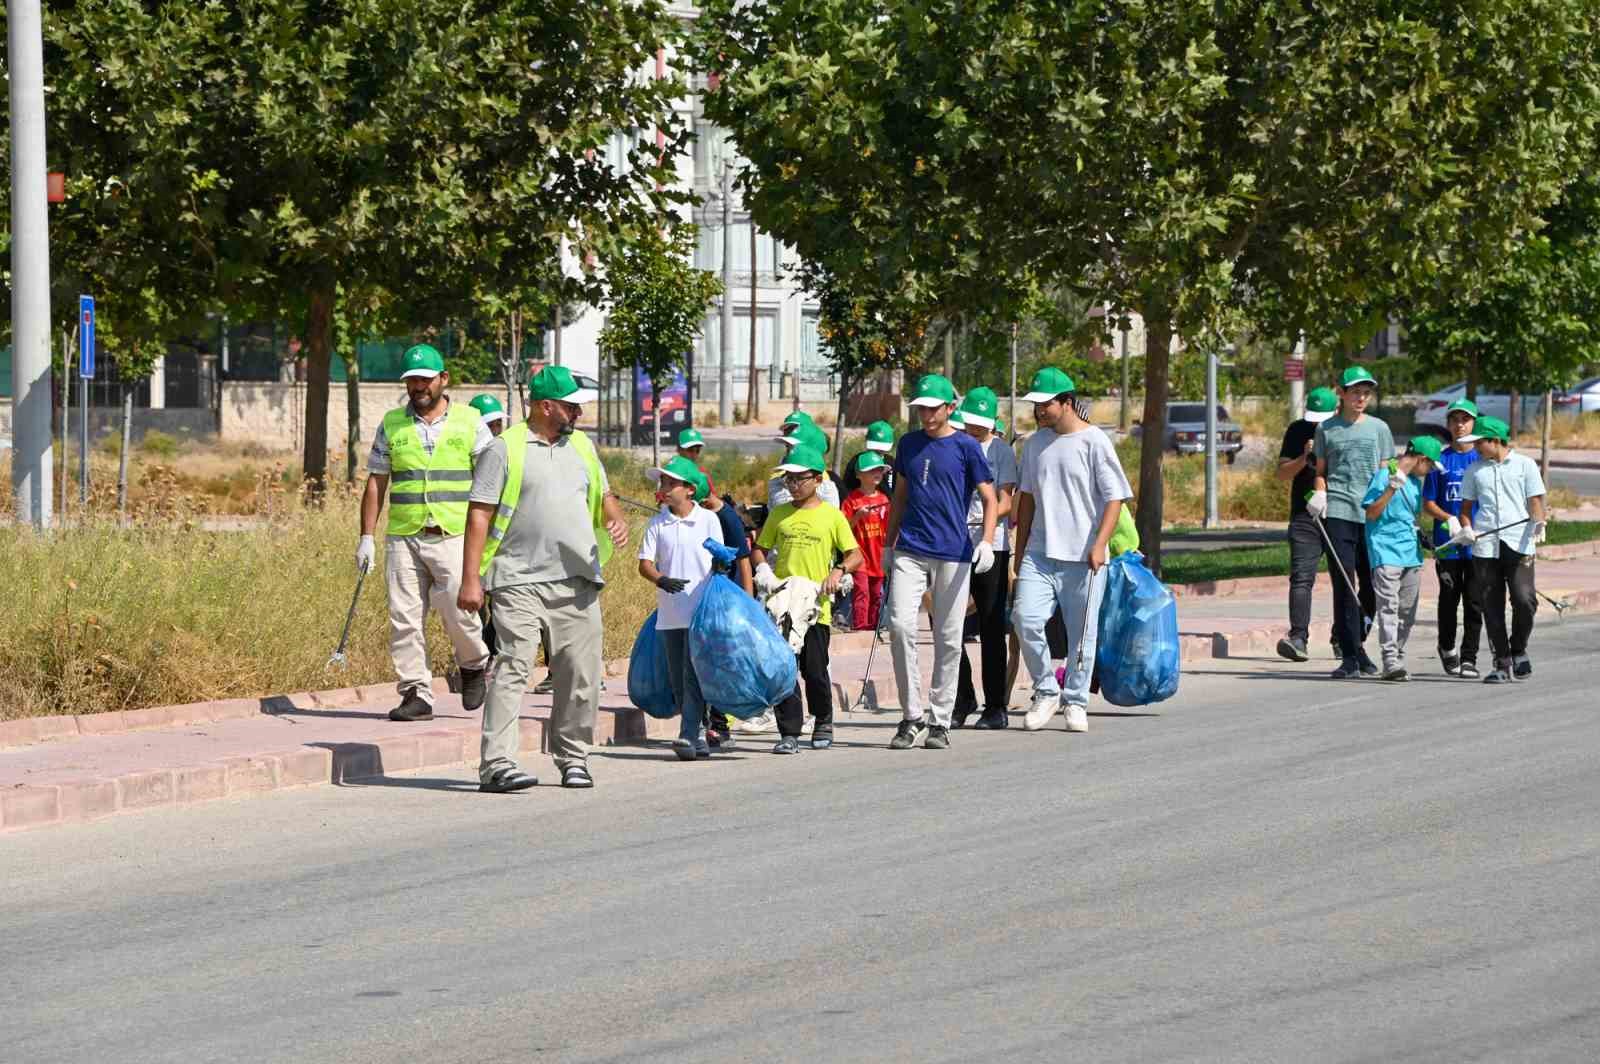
567	612
424	571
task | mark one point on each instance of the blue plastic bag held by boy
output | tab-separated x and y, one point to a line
1138	643
649	687
743	662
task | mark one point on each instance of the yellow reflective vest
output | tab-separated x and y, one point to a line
429	489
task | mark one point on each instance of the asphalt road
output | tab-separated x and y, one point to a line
1275	867
1583	481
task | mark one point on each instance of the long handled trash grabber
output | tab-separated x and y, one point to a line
1083	629
652	510
1560	607
877	636
1456	541
1334	562
338	659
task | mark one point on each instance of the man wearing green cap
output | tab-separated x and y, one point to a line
1503	491
542	524
1393	500
1349	449
428	449
990	591
1441	500
1070	495
937	471
1296	464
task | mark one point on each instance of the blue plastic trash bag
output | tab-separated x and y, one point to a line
649	686
743	662
1137	652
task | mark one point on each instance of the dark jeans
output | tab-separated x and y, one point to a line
813	661
1495	579
1305	550
1458	588
1350	546
989	592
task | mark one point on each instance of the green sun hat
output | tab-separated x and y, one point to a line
488	408
1463	406
1047	384
680	468
690	438
1320	405
556	382
1000	425
1426	446
1488	428
421	360
933	389
869	460
1357	375
880	436
803	459
980	407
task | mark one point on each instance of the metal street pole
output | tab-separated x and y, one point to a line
1011	415
32	462
1211	439
725	361
66	412
1297	388
1122	413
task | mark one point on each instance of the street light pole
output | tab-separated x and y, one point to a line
1211	439
1297	385
31	444
1122	413
725	363
1011	414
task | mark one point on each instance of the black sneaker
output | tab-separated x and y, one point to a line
1349	669
958	719
993	719
821	738
938	739
1521	667
1451	663
412	708
1498	675
789	744
472	688
1469	670
908	734
1368	668
1292	649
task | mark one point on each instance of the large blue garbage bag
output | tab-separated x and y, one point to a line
649	686
743	662
1137	651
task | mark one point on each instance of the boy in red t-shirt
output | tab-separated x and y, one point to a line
867	510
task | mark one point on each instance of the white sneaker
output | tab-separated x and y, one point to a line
1077	719
1040	713
767	722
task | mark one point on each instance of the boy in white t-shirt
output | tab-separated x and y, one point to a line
673	558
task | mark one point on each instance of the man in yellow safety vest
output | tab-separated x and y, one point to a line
427	450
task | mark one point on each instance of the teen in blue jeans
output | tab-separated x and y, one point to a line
1042	585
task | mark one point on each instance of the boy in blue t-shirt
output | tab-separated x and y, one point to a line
1441	500
1392	502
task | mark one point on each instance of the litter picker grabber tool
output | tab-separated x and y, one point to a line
338	659
652	510
1560	607
1454	541
1334	562
862	700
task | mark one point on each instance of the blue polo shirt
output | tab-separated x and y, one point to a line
1443	488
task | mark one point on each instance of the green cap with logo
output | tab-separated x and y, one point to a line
869	460
805	434
680	468
1047	384
691	438
1462	406
880	436
421	360
1488	428
556	382
1427	446
958	419
805	458
933	389
1356	375
1320	404
488	408
798	417
980	407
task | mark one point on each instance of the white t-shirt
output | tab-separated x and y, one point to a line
1003	467
1072	477
674	544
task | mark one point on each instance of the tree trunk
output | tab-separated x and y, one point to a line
352	417
1472	376
1157	361
751	401
1544	435
319	344
1514	414
122	463
655	425
838	425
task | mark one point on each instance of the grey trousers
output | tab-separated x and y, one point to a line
424	572
911	576
567	612
1396	590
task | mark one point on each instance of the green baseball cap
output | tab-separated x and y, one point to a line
1356	375
798	417
488	408
1000	425
933	389
1488	428
803	459
556	382
980	407
869	460
880	436
1426	446
1462	405
805	434
691	438
1047	384
680	468
1320	405
421	360
958	419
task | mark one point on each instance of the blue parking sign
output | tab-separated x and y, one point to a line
86	337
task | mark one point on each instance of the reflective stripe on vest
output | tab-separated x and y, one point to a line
427	490
516	440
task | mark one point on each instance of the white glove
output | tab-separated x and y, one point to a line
1464	537
1317	505
366	554
982	558
847	584
1538	532
765	580
1452	525
1396	482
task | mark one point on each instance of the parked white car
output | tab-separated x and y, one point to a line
1431	408
1581	398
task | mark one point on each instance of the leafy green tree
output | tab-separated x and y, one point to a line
657	307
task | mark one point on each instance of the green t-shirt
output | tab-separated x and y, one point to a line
1353	451
807	542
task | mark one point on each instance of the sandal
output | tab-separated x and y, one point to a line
507	780
576	776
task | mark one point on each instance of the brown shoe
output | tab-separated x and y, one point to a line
413	708
472	688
